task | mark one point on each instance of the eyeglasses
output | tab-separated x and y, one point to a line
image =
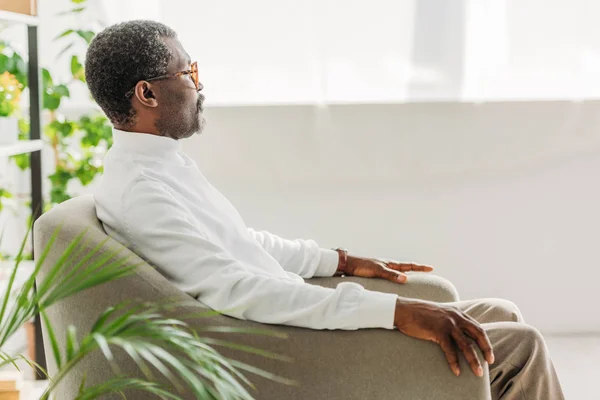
192	72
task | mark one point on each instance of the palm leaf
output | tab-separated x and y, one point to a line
52	338
246	331
103	344
260	372
120	384
154	342
246	349
135	355
11	282
24	307
147	355
6	359
72	346
69	252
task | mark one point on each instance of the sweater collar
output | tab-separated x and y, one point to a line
145	143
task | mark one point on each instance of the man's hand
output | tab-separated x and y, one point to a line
447	326
390	270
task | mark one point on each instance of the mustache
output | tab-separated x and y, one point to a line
200	102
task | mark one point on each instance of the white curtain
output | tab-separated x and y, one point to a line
388	51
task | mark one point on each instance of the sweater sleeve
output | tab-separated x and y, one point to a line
302	257
160	230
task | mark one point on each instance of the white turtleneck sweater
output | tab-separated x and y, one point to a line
153	199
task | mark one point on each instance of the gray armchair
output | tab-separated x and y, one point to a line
364	364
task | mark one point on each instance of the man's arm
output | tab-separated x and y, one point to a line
302	257
161	231
305	258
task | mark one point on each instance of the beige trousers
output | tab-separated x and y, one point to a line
523	369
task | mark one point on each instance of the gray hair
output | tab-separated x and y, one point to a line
119	57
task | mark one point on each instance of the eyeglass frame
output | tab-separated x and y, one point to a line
193	70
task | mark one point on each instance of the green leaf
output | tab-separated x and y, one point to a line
120	384
247	349
12	360
5	193
60	177
65	49
103	318
7	359
20	69
70	251
15	65
59	195
52	338
52	94
72	11
72	346
77	69
62	91
65	33
78	1
47	78
82	384
51	102
86	35
5	329
7	63
103	344
85	173
22	160
4	62
260	372
60	129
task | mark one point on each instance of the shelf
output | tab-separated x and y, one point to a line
16	18
20	147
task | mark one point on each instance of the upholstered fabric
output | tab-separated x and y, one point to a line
364	364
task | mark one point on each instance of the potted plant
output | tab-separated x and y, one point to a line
10	94
149	337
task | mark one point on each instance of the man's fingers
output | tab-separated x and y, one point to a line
394	276
468	350
421	268
480	336
409	267
450	351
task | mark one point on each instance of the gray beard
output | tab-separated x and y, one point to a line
177	131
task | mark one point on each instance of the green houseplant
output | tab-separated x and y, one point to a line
170	346
77	142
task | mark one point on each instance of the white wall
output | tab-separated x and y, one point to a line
501	198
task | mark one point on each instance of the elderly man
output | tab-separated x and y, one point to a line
153	199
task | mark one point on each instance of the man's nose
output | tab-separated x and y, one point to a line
200	86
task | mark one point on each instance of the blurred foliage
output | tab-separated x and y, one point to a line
10	94
13	63
164	348
6	195
78	144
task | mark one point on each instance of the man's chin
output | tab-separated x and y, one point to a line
201	125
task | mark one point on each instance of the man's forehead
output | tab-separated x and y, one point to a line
180	56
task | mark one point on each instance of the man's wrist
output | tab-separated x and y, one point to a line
342	262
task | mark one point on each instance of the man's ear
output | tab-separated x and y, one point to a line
146	94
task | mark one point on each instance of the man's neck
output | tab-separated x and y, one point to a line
146	130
